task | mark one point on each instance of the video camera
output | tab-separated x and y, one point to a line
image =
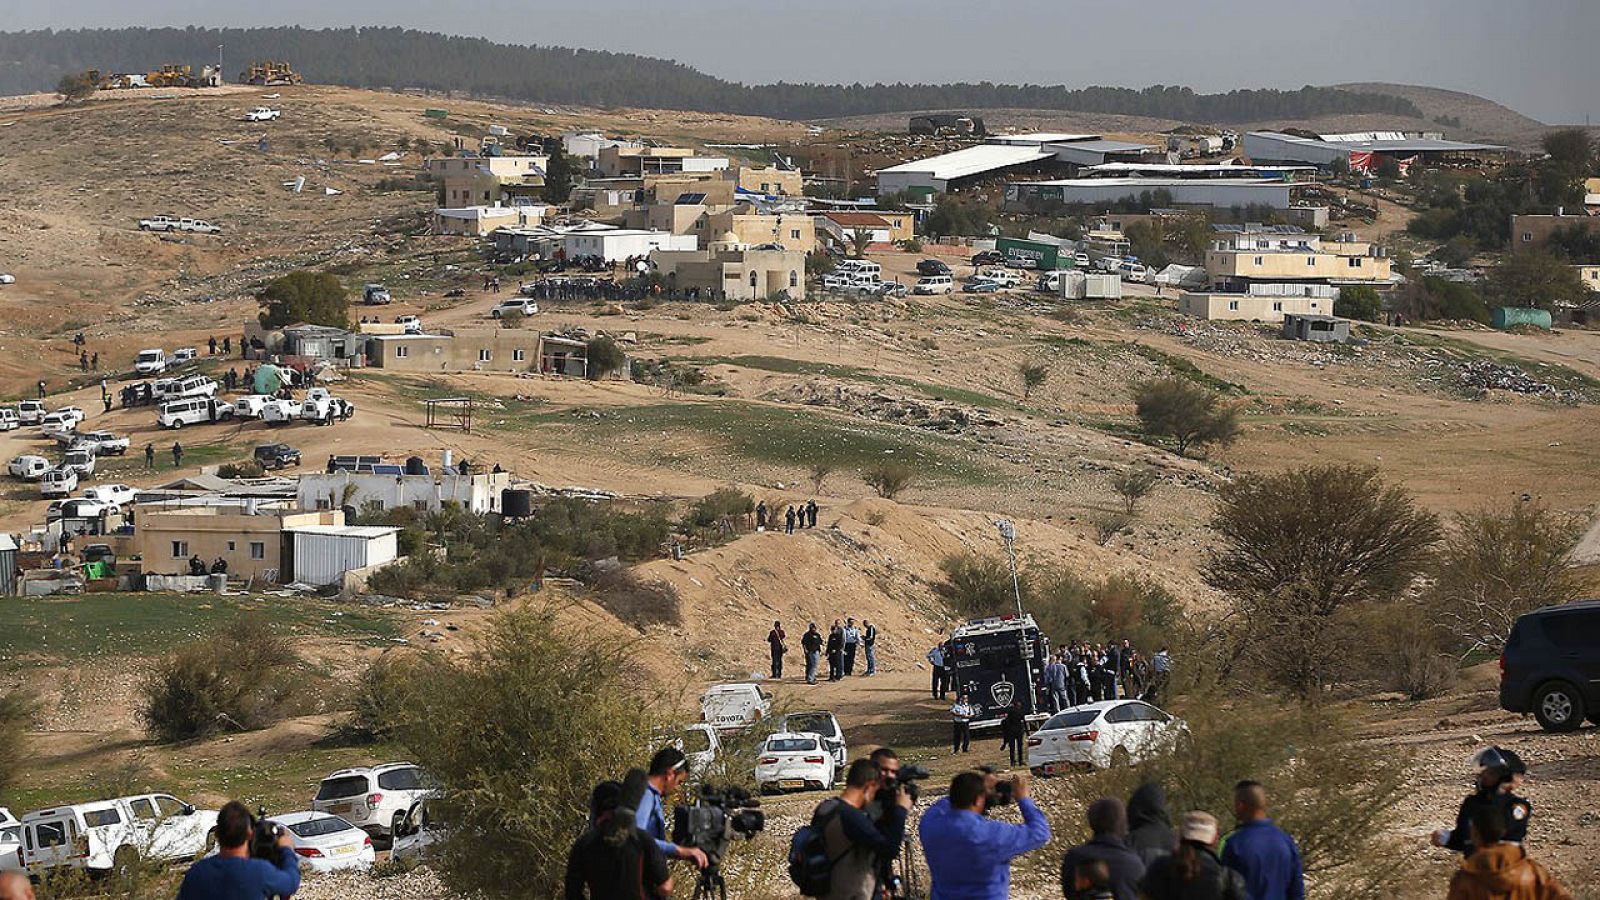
264	834
718	817
906	780
1003	793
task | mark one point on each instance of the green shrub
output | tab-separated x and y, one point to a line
717	505
604	357
888	479
239	679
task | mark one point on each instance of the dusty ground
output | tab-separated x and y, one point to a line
932	381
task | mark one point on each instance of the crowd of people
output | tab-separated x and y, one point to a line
797	515
844	643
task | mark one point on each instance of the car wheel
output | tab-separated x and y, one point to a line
1120	758
1558	706
176	424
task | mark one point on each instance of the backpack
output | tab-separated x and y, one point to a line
810	866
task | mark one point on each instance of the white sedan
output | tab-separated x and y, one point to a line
1101	735
114	495
794	762
326	842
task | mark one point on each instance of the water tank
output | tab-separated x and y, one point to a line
516	504
415	466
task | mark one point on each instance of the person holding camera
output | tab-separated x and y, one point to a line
233	874
668	771
854	842
969	856
614	859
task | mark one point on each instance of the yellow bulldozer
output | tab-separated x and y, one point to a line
269	73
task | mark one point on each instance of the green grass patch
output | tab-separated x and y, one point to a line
1186	369
45	631
853	373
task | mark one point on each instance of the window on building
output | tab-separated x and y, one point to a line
324	503
402	351
1527	237
485	355
1311	260
794	279
1354	262
519	355
1233	304
180	549
1258	260
231	547
795	234
258	550
752	280
1277	306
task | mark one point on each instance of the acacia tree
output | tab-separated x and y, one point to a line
1185	412
1496	565
1537	279
315	298
1298	549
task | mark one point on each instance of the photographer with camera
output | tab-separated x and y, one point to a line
969	856
668	771
234	874
614	859
854	845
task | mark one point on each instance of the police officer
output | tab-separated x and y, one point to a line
1500	772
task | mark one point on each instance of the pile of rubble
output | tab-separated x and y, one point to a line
1481	376
871	403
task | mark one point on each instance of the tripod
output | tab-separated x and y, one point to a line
711	885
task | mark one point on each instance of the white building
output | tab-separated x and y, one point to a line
1323	150
477	493
323	554
621	244
1217	192
937	172
588	144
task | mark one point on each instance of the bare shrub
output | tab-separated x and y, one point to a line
636	601
888	479
241	678
1132	486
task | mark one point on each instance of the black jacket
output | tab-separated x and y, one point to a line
1213	881
1150	831
1125	866
1014	724
811	642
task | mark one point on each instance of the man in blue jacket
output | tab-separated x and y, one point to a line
969	856
668	771
1262	852
232	874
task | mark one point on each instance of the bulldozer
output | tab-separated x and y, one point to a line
171	76
270	73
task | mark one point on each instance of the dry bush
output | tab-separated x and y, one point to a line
635	601
888	479
1132	486
239	679
1185	412
1402	647
977	584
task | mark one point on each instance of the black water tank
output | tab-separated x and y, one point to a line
415	466
516	504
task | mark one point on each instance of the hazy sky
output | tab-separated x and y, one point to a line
1537	56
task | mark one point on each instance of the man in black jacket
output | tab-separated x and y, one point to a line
1150	824
836	652
811	643
614	857
1109	821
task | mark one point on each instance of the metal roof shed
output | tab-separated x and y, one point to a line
324	553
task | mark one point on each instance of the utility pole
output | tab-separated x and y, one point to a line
1008	533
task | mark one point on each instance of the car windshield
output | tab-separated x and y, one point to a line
321	826
408	779
149	355
348	786
790	745
1072	718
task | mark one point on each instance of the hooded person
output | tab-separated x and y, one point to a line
1500	870
1150	831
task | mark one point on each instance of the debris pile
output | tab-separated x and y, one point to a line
1482	376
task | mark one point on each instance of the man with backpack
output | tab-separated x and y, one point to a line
836	856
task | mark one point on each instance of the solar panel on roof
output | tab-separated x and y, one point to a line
691	199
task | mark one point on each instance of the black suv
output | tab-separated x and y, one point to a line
988	258
276	456
932	267
1551	665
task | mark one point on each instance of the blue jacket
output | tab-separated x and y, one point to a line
232	878
969	856
1268	859
652	820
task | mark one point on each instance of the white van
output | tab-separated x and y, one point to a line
193	411
58	483
934	284
188	386
10	842
151	362
29	412
731	707
860	267
9	421
115	834
79	460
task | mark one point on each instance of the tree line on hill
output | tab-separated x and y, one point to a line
405	58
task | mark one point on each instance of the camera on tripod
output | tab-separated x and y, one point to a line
264	834
718	817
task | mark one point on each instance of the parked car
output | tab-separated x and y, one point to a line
103	443
934	284
522	306
114	495
980	286
159	223
250	405
262	114
327	843
891	289
193	411
9	420
187	386
418	833
1100	735
1551	666
280	411
412	324
276	456
80	460
7	278
824	725
76	508
794	762
150	362
988	258
1006	278
58	483
322	407
1132	271
28	467
374	798
731	707
29	412
199	226
184	354
61	420
701	746
10	842
1081	260
932	267
376	295
112	835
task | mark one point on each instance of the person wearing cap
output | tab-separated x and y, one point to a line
614	858
1500	772
1194	872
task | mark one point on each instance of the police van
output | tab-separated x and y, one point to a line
996	661
193	411
114	834
168	389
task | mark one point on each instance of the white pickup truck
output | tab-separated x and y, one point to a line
262	114
323	408
171	223
111	835
733	707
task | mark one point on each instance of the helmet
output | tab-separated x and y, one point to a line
1501	760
